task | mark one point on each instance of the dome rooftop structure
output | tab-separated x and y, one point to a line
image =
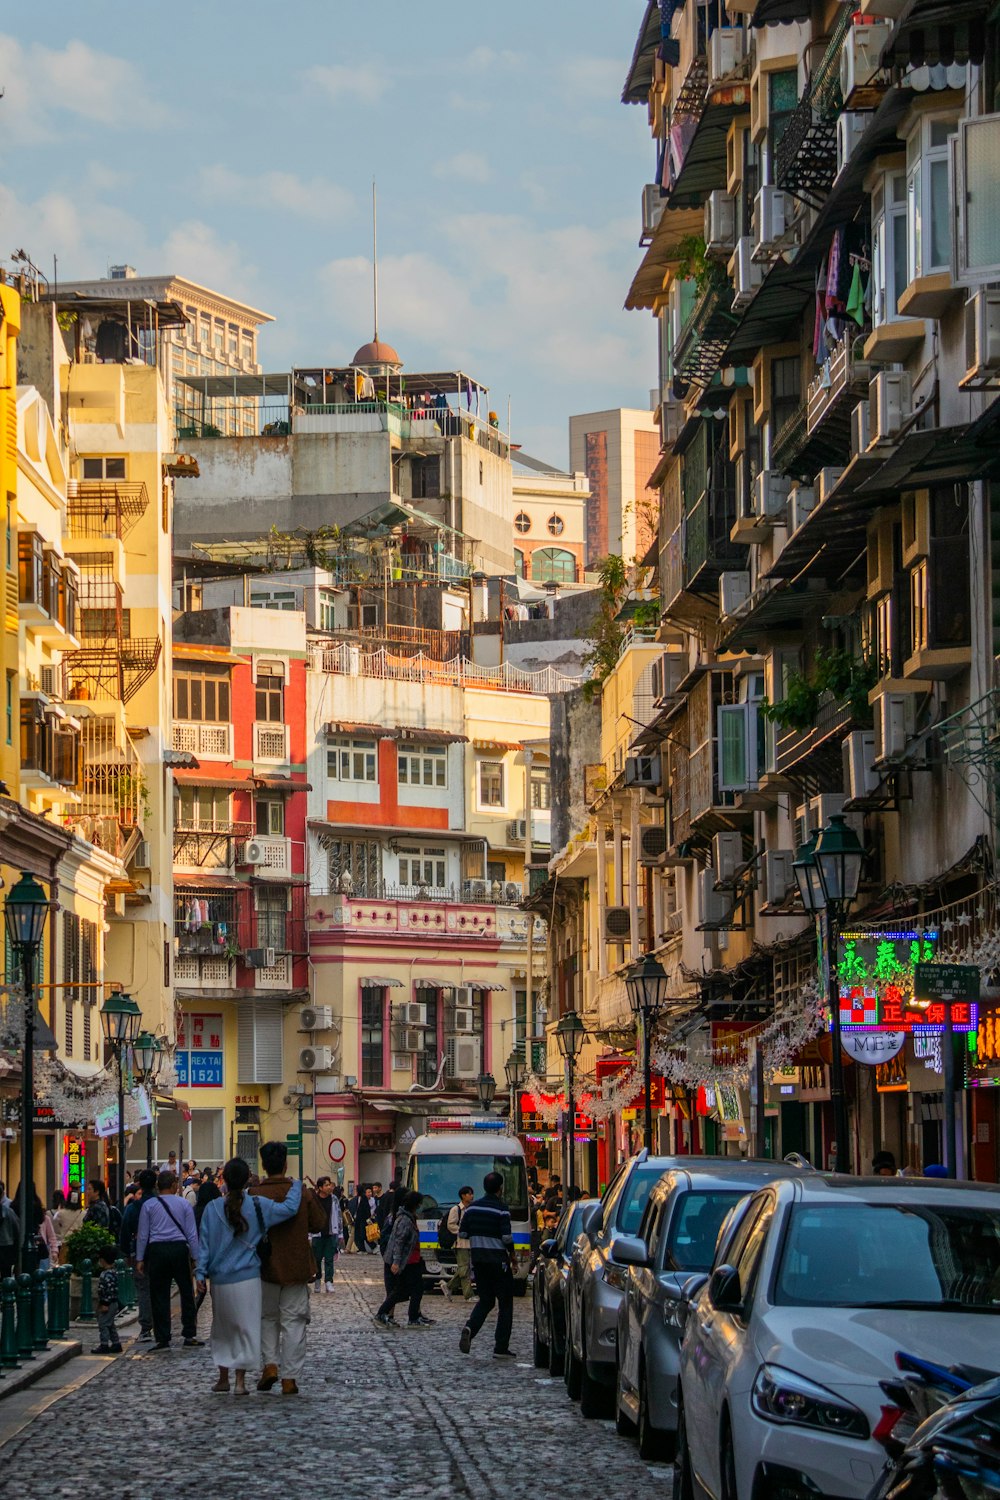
377	356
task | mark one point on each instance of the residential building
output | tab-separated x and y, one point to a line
617	450
549	520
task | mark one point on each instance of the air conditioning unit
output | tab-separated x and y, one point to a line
860	777
260	958
726	50
465	1056
517	830
744	272
859	60
890	401
476	890
727	857
801	500
779	877
652	844
51	682
826	482
860	429
315	1018
770	495
851	126
316	1059
411	1040
734	590
671	420
713	905
617	927
513	890
643	770
652	210
465	1019
665	675
253	852
142	856
412	1013
772	213
824	807
895	715
982	340
720	222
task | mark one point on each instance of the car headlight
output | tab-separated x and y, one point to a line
615	1275
782	1396
671	1308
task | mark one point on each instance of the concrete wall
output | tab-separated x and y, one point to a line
576	732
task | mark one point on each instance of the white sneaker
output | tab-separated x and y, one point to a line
445	1290
328	1287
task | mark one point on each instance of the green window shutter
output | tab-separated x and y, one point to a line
732	735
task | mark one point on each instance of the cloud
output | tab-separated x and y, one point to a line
84	233
489	59
465	166
316	199
193	249
597	79
42	83
339	82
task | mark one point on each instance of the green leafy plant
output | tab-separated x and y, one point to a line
837	674
84	1244
693	263
607	631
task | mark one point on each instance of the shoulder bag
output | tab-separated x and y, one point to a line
264	1246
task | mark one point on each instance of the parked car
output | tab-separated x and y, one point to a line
677	1237
812	1291
548	1287
596	1281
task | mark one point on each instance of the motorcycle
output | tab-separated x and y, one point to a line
941	1431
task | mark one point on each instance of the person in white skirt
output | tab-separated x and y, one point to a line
231	1230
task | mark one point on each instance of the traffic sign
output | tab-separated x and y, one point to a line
946	982
294	1144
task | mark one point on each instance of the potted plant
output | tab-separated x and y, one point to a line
83	1244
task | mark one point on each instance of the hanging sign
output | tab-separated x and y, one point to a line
877	980
872	1047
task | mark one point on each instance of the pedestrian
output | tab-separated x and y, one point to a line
385	1204
130	1230
232	1229
166	1249
286	1275
330	1240
171	1165
207	1193
67	1219
487	1225
462	1279
107	1302
884	1164
405	1268
361	1214
98	1208
10	1235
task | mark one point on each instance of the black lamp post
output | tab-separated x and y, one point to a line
570	1034
647	985
121	1019
25	911
828	874
147	1054
514	1072
486	1088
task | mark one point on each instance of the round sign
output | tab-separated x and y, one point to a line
872	1047
337	1149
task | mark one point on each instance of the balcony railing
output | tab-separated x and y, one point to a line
204	740
846	373
195	972
384	665
104	508
707	545
469	892
794	746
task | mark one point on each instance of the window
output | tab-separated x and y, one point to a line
556	525
248	346
259	1037
273	599
10	532
202	807
429	1059
269	817
352	760
518	562
522	522
427	766
929	206
541	791
977	151
30	568
355	867
103	624
233	341
553	565
782	99
372	1037
889	246
496	870
491	783
219	336
9	707
104	468
272	917
785	391
201	694
421	866
270	697
327	610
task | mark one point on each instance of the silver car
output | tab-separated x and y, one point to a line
676	1238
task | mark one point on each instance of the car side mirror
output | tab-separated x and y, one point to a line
629	1250
592	1220
690	1289
724	1291
549	1249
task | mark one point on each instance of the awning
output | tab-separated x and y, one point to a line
175	758
772	12
434	984
280	784
220	655
372	982
640	73
675	225
432	737
372	731
484	984
497	745
704	164
929	33
193	885
238	385
228	781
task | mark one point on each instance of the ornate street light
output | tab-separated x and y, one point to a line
647	987
806	872
514	1072
25	911
570	1035
839	857
121	1019
486	1088
147	1056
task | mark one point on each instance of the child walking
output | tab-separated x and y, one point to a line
107	1302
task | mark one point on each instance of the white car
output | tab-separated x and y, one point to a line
814	1289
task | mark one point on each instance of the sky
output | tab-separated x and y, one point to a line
235	143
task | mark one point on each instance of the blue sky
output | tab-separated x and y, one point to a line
235	142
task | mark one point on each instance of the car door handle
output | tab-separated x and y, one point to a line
705	1327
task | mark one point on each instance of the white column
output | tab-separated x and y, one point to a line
602	901
633	877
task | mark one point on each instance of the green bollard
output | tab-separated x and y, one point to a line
126	1297
56	1326
86	1313
65	1276
8	1323
25	1327
39	1285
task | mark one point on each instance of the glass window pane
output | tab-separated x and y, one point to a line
982	192
940	225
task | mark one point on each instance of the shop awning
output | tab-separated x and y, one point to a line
372	982
371	731
432	737
280	784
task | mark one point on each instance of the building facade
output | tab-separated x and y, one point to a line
549	522
617	450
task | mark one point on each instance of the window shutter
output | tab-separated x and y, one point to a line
259	1044
977	247
732	734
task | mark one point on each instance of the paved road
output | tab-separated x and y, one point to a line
381	1414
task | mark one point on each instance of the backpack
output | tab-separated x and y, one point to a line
446	1240
114	1220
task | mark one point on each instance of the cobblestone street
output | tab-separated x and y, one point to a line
380	1413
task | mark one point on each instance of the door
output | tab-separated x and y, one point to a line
640	1295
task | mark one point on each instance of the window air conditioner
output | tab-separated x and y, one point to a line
851	126
476	890
734	590
316	1059
315	1018
720	222
726	51
652	844
253	852
859	61
772	212
465	1019
464	1056
713	905
260	958
671	420
801	500
824	807
894	721
860	777
779	877
412	1013
745	274
770	495
727	857
411	1041
652	210
890	404
517	830
618	928
142	856
982	335
860	429
643	770
826	482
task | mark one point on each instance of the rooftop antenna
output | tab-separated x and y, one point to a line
375	255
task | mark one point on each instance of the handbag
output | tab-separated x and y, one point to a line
264	1246
372	1232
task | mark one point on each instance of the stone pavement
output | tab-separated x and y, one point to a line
389	1414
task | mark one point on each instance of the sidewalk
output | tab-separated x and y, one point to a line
54	1372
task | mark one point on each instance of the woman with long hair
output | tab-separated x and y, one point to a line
231	1229
207	1193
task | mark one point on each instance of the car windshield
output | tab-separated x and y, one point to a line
439	1178
695	1229
635	1196
908	1255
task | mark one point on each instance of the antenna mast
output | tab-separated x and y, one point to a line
375	255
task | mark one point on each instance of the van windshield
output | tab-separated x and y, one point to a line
439	1178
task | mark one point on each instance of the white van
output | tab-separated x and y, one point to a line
453	1156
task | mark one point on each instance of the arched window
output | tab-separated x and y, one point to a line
556	525
518	562
553	565
522	522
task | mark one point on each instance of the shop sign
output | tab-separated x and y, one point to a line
198	1058
537	1111
609	1067
891	1076
982	1062
74	1172
877	973
872	1047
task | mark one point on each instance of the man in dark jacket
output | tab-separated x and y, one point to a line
130	1229
404	1273
486	1225
286	1276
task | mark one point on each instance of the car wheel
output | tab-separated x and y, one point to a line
683	1473
624	1426
571	1370
727	1463
654	1444
557	1357
539	1348
593	1395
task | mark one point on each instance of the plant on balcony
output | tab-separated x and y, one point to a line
837	674
693	264
133	791
607	631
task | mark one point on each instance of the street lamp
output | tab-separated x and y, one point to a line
25	911
570	1034
147	1055
514	1071
120	1018
486	1088
828	874
647	986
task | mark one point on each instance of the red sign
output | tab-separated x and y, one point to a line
608	1067
533	1105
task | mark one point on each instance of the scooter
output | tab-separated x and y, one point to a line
941	1431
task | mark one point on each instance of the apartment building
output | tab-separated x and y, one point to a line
550	509
617	450
818	259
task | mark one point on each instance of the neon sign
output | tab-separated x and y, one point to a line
74	1163
875	981
982	1063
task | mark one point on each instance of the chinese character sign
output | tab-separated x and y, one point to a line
198	1058
982	1065
74	1173
875	972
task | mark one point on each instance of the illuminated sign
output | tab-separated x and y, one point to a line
74	1174
198	1058
982	1062
875	973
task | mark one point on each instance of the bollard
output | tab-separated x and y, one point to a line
86	1313
56	1326
126	1295
65	1282
25	1330
8	1324
39	1286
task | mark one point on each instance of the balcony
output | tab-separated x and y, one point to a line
708	550
193	972
266	855
270	743
940	620
703	339
406	918
208	844
811	758
49	752
113	794
807	153
206	741
833	394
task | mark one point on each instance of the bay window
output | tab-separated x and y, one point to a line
890	263
929	201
